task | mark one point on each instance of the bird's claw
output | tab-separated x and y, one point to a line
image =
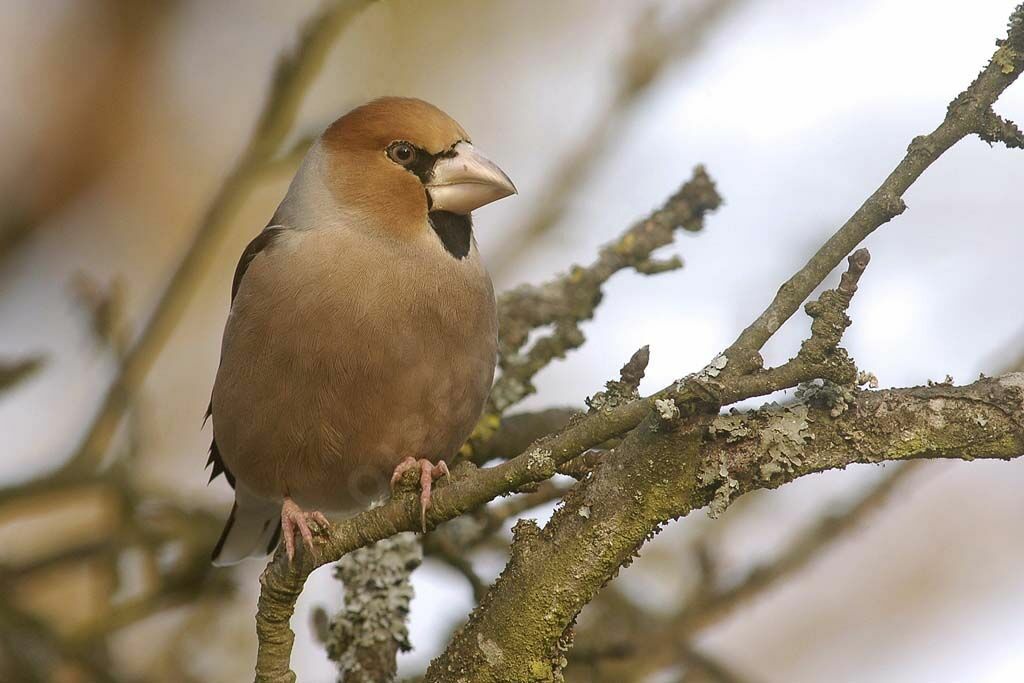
428	473
294	518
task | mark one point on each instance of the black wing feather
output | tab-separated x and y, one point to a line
261	242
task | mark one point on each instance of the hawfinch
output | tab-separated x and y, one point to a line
362	336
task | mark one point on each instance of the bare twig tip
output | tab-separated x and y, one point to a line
859	260
633	371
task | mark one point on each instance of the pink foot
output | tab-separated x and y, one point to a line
295	518
428	473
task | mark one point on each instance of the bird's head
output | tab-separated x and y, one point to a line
393	161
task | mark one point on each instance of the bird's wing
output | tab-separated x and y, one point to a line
259	243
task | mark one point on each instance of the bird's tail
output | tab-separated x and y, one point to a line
252	530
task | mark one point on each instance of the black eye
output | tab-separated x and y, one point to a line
401	153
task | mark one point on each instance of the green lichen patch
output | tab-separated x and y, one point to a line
1005	58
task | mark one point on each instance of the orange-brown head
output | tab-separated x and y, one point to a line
396	163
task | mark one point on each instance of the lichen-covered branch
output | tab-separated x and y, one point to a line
498	617
366	635
657	475
676	454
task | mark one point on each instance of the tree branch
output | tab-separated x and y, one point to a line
674	458
367	634
969	113
656	476
572	298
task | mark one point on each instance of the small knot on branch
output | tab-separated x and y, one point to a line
653	266
830	321
858	261
626	388
993	128
633	371
891	205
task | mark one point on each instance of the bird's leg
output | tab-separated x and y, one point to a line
295	518
428	473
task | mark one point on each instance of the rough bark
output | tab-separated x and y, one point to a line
656	475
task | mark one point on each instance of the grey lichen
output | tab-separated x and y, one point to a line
733	426
826	394
367	631
935	418
491	651
867	379
783	438
781	435
724	493
541	463
1013	379
715	367
668	411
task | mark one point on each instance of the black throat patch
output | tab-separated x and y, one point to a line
455	231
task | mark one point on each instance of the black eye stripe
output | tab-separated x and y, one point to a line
423	165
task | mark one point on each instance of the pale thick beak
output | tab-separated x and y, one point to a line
467	181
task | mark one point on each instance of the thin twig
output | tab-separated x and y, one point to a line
969	113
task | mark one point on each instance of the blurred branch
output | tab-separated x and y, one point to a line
80	139
516	432
40	654
179	582
654	643
444	549
710	607
13	372
702	668
656	43
294	74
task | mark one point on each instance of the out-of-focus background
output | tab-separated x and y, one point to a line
120	120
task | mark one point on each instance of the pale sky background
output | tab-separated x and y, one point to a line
797	108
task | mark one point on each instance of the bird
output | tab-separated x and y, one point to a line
361	339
